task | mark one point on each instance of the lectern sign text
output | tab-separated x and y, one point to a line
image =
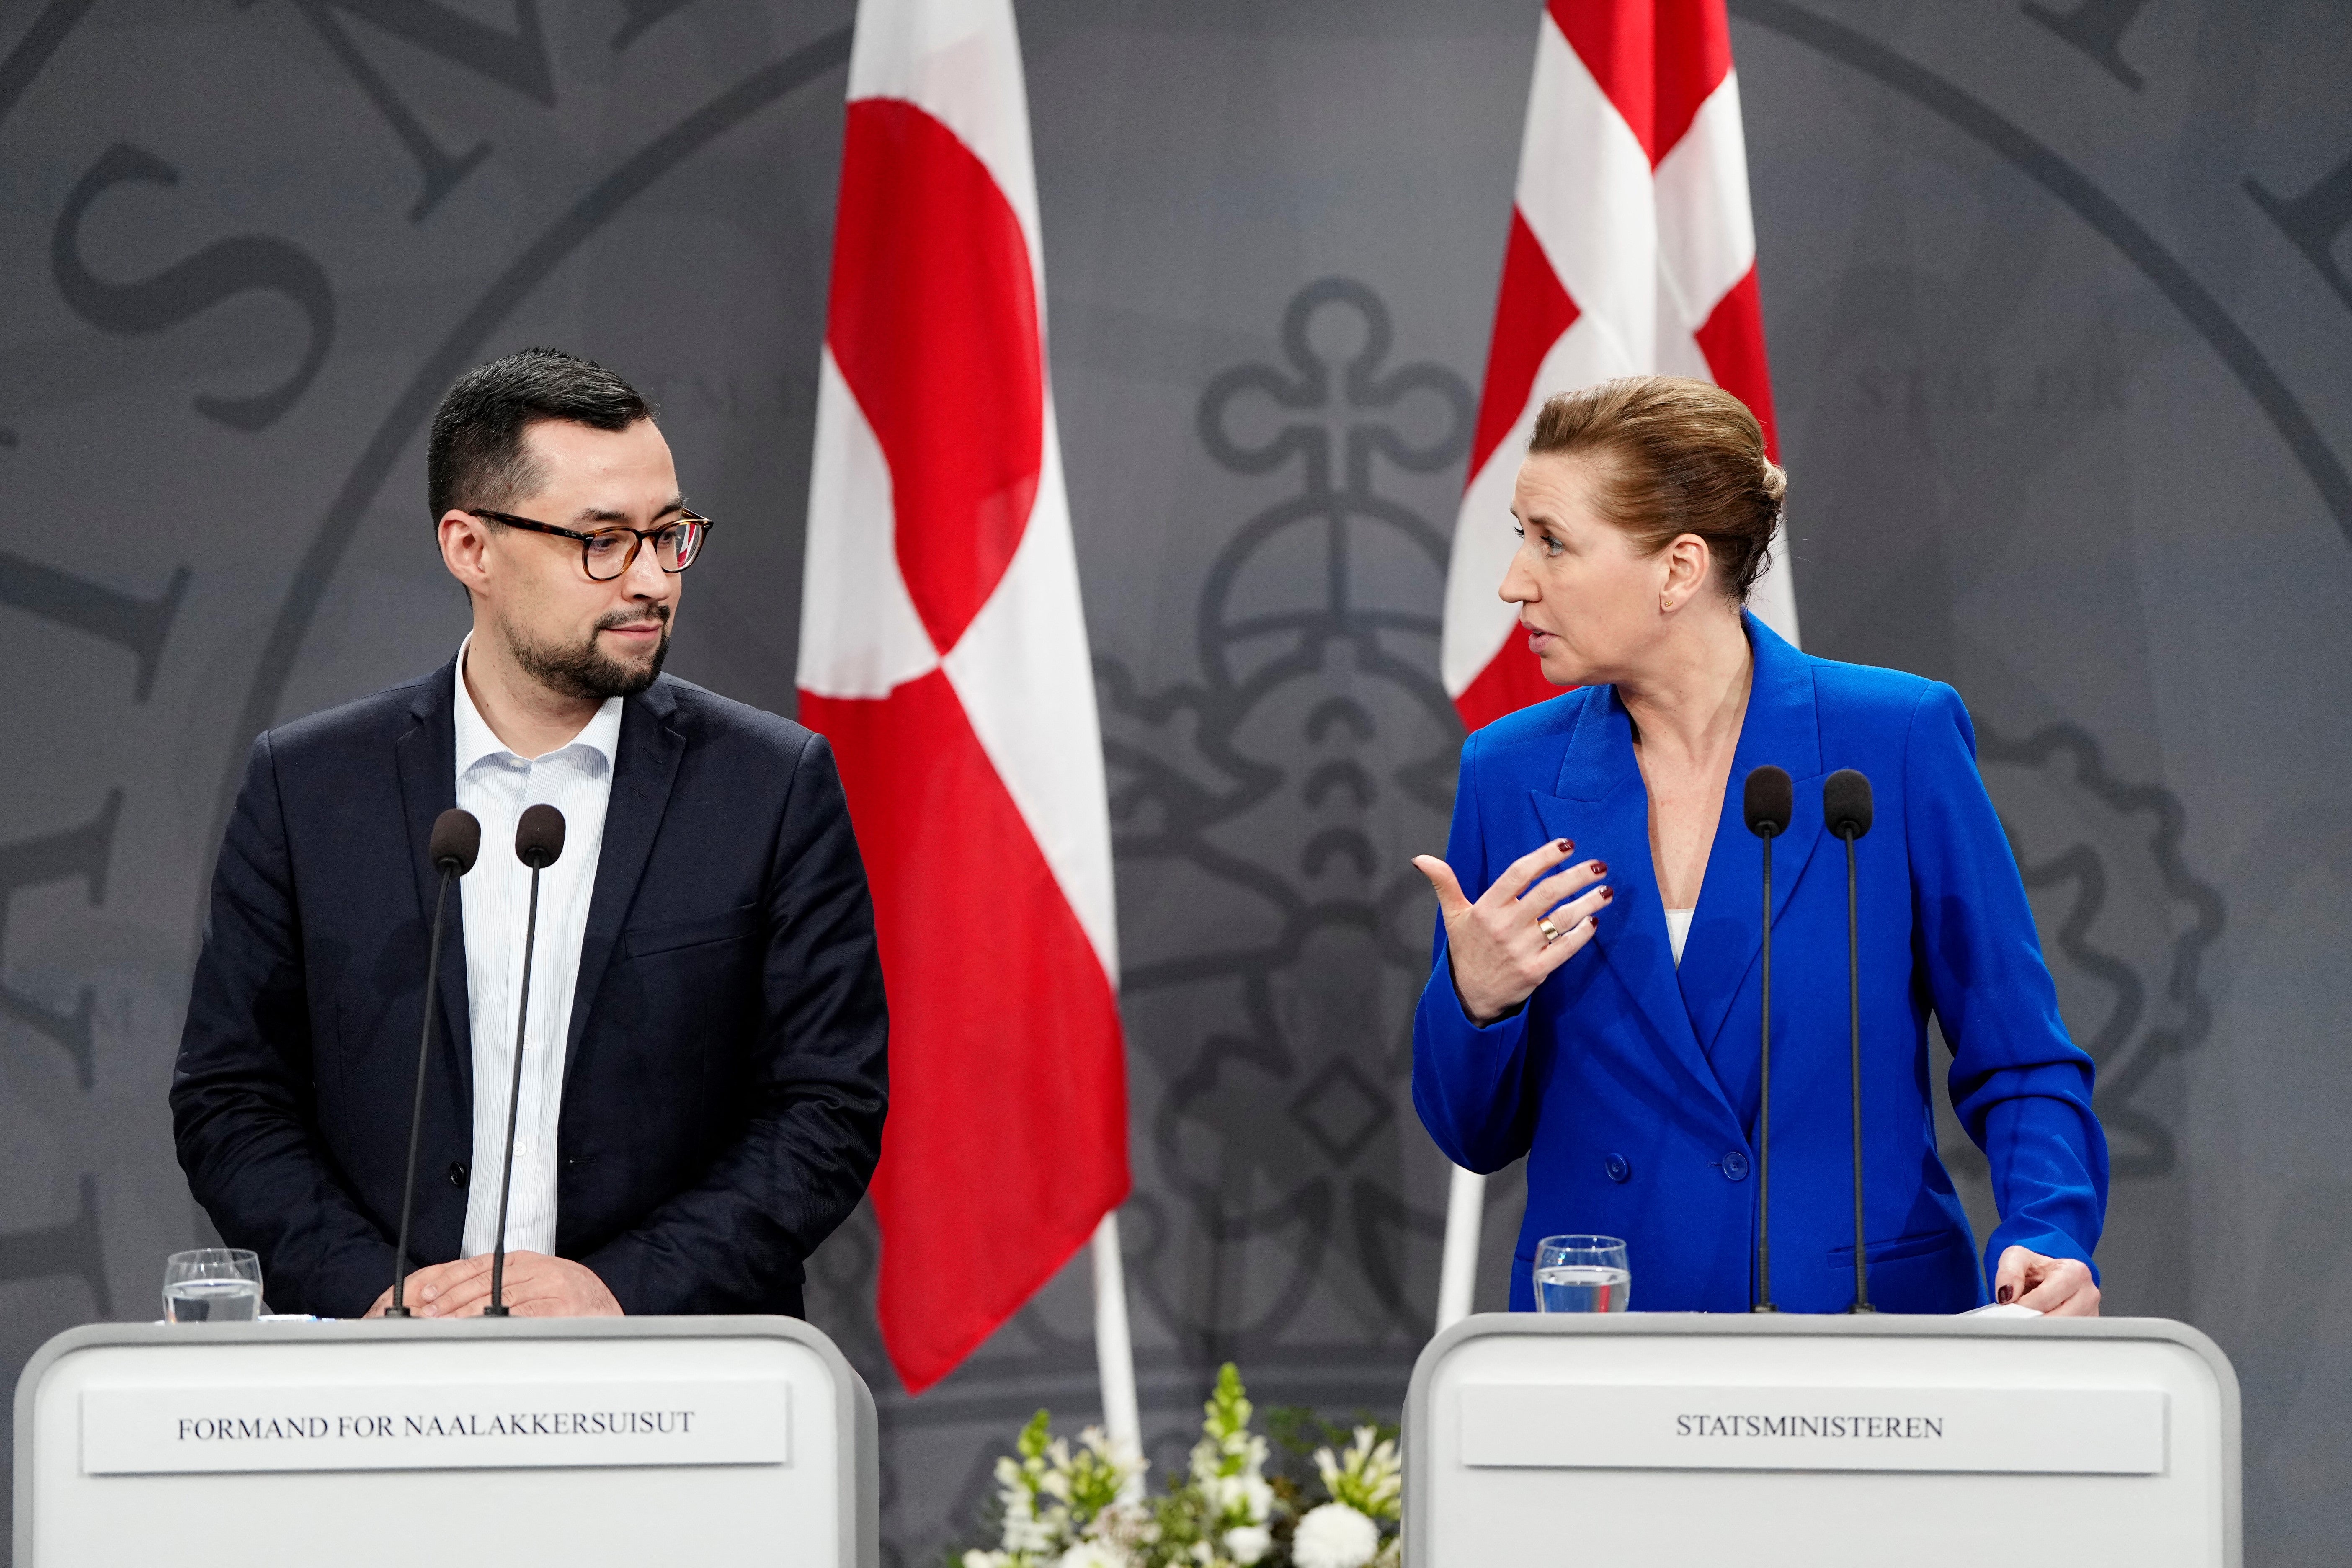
162	1429
2028	1431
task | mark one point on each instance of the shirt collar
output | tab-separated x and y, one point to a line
475	740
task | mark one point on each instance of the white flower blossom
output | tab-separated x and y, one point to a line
1122	1456
1055	1481
1367	1477
1248	1543
1128	1527
1093	1554
1246	1497
1244	1494
1024	1531
1335	1536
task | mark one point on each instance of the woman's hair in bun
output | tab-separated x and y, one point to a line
1676	457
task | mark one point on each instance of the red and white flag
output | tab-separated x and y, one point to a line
1631	252
944	655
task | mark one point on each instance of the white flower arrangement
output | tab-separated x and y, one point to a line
1064	1507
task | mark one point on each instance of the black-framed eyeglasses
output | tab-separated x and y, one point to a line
607	552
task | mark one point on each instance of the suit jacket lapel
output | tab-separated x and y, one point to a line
650	749
1727	934
427	763
1604	809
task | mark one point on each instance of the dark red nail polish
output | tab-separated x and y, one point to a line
1565	846
2005	1293
1607	894
1600	869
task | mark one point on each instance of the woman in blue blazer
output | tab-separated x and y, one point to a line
1566	1018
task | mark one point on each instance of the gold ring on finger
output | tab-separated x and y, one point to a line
1552	933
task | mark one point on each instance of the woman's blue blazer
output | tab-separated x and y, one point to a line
1632	1087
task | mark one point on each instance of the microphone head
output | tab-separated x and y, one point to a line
539	837
456	840
1845	804
1771	801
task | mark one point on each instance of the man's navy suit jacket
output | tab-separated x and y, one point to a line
1633	1087
725	1076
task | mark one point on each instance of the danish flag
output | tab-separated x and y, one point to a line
1631	252
944	655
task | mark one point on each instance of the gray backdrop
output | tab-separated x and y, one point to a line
2059	306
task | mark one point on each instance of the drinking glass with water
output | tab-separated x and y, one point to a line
1581	1274
212	1285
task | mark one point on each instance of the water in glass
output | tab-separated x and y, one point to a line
1581	1287
212	1300
1582	1274
212	1285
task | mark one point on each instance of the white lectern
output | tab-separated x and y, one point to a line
1676	1438
744	1440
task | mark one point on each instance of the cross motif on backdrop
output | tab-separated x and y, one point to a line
1264	816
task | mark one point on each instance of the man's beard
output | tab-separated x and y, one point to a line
584	670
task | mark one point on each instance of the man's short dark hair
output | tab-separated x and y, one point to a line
477	457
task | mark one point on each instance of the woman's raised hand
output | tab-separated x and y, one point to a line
1535	917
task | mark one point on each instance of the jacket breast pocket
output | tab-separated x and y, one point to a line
695	931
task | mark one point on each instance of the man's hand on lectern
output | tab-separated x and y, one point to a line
2060	1286
536	1286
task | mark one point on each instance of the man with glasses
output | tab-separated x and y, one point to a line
703	1072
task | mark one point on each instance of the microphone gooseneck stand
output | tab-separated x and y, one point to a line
539	839
1845	800
1770	802
456	840
1764	1117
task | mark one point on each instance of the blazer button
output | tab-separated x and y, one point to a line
1735	1166
458	1172
1619	1168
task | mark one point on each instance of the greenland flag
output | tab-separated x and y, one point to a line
1630	253
943	654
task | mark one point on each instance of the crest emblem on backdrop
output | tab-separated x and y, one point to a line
1268	809
2125	925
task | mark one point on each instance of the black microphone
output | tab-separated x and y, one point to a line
1771	801
1845	806
539	839
456	840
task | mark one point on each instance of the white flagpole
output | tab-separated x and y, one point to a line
1457	1272
1114	1348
